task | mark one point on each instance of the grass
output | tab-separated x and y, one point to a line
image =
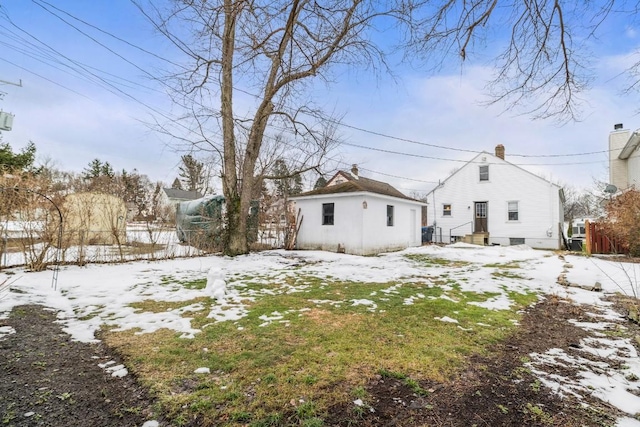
318	349
153	306
430	261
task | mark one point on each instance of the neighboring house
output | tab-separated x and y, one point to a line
491	201
357	216
172	196
624	158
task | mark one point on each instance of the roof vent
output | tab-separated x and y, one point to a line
617	126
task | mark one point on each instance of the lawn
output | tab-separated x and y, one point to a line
309	343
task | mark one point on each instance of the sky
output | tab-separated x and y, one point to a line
82	309
87	96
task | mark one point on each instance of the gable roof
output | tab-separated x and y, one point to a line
495	161
357	184
175	193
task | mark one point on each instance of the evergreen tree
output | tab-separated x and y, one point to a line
287	183
100	177
320	182
192	174
23	161
93	170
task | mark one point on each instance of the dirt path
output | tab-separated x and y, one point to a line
48	380
494	390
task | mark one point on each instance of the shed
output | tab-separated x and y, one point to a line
94	218
357	215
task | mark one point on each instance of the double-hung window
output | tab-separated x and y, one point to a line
512	210
484	173
446	209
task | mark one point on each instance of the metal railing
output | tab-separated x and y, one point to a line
458	226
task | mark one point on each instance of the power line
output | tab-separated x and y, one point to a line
420	156
84	67
105	32
339	123
43	77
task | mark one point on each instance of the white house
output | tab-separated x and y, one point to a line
624	158
357	215
491	201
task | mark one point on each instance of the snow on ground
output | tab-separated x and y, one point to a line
94	295
143	242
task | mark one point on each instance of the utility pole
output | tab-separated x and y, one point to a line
19	84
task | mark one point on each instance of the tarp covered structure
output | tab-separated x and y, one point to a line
200	222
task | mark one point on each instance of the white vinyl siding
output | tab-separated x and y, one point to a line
539	205
359	230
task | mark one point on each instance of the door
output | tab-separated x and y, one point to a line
480	218
412	227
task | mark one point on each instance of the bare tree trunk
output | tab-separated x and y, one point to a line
235	240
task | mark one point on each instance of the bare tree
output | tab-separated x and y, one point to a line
250	63
272	48
540	47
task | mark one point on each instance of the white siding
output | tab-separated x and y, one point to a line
633	168
618	169
362	231
539	204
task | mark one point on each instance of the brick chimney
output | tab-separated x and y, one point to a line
354	171
500	151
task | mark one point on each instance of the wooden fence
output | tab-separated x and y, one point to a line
597	241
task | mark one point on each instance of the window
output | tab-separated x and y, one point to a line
389	216
512	208
446	209
327	214
484	173
516	241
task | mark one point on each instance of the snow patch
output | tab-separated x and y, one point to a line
446	319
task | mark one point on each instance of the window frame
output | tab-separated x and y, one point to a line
390	215
484	173
447	212
510	211
328	218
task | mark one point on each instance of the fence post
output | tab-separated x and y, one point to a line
587	237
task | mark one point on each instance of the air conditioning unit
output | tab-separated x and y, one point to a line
6	121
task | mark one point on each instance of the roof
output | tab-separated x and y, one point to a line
355	185
630	146
175	193
495	161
